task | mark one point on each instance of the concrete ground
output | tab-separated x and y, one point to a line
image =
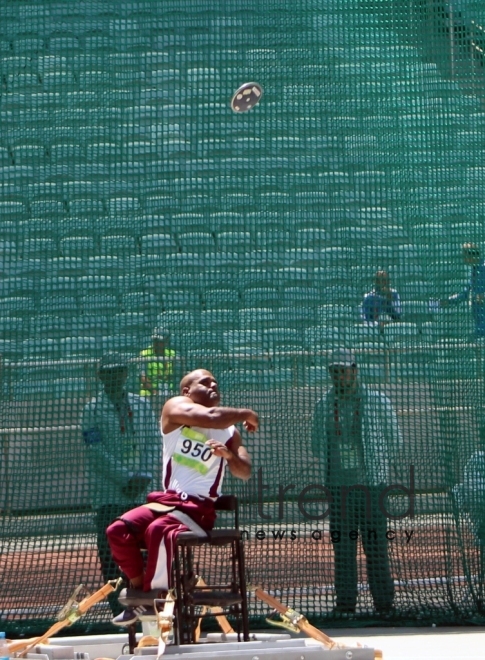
448	643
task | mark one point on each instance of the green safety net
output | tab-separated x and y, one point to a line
132	197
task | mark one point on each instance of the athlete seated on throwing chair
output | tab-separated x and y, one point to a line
199	439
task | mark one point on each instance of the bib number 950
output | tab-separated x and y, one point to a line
196	450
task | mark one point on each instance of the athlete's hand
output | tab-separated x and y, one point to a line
218	448
251	423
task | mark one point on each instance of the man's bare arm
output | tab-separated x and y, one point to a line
182	411
238	460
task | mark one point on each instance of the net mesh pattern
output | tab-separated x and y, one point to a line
132	197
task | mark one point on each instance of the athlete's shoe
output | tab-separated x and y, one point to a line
132	614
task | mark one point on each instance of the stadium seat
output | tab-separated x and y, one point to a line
215	319
120	246
233	340
317	376
324	337
199	340
196	242
93	324
74	246
59	304
86	207
275	239
79	346
99	303
133	323
104	265
66	388
313	238
180	319
261	296
232	241
17	306
401	332
39	248
158	244
257	317
41	347
300	295
140	301
181	298
47	208
222	298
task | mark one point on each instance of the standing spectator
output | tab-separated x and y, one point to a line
356	437
123	443
157	372
382	303
474	291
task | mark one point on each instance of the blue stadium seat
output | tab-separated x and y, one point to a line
275	239
89	324
69	266
97	284
398	333
67	388
317	376
281	336
140	301
201	241
86	207
81	246
300	295
257	296
39	248
132	323
294	317
120	246
13	209
104	265
13	327
79	346
26	82
66	152
99	303
182	298
181	319
311	238
200	340
47	208
231	241
16	306
234	340
222	298
324	337
123	205
158	244
41	347
215	319
258	317
59	304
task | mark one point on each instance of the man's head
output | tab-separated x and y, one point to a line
201	386
342	367
471	254
382	282
160	339
113	372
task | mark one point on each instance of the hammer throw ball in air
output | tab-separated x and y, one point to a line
246	97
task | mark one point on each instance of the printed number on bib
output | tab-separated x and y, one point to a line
192	453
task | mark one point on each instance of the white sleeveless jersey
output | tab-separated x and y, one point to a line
189	466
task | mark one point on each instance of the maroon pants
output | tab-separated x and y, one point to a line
141	528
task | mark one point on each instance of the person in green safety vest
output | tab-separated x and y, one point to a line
157	368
